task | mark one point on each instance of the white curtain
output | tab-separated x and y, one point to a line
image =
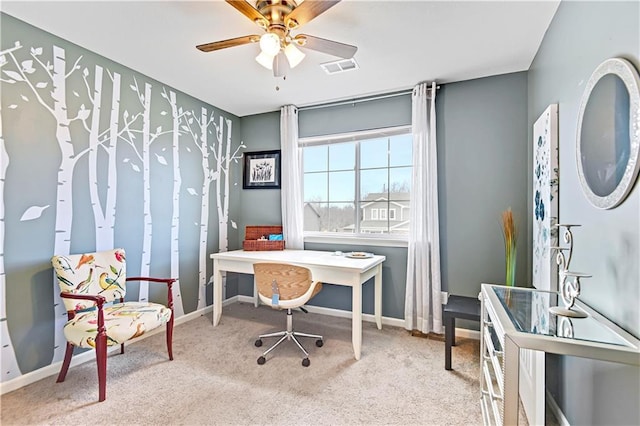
291	187
422	306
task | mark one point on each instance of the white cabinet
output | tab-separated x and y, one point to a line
514	318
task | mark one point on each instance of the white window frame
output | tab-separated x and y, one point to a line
374	214
377	239
383	214
392	214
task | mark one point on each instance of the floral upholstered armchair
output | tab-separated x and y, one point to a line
93	287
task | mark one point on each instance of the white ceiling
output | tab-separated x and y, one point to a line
400	43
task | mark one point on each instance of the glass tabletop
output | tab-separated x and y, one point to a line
529	313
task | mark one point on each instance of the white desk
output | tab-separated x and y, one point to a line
325	267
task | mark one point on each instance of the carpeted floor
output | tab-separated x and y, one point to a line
214	379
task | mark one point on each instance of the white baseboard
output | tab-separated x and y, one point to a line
53	369
394	322
468	334
555	409
334	312
87	356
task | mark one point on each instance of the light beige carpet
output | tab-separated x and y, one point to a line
214	379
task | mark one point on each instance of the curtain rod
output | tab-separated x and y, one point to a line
358	100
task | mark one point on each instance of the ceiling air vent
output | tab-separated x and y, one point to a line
339	66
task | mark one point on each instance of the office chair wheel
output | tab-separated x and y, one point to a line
258	342
306	362
319	343
261	360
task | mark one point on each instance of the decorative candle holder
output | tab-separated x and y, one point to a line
568	281
564	327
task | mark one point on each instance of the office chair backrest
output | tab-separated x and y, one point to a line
292	281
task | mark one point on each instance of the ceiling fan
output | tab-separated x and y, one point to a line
279	48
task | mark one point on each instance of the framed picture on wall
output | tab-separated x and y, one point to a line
261	170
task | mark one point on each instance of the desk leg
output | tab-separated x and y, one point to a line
356	322
255	293
217	293
378	297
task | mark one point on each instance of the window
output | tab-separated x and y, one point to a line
353	183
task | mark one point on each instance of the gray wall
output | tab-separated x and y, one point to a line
482	154
482	149
581	36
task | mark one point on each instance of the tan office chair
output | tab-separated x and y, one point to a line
93	287
284	286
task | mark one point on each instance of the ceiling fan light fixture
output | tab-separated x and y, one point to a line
294	55
270	44
265	60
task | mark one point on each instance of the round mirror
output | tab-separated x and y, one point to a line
608	140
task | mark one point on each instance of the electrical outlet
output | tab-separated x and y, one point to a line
444	296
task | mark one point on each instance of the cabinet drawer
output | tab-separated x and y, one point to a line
491	370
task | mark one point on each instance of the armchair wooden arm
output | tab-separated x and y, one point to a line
95	297
168	281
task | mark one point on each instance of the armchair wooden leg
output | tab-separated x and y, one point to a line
101	359
170	337
122	348
65	364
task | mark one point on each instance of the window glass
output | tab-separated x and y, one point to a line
374	153
315	158
358	183
373	183
341	217
399	183
342	156
400	150
329	217
316	187
342	186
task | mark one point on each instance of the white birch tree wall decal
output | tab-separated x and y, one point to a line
9	364
103	213
200	134
177	115
145	100
54	101
223	158
144	156
207	178
200	141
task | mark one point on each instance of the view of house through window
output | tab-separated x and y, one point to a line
358	183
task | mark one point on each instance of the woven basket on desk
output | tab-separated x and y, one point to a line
253	233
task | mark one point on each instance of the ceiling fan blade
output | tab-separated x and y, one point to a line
250	12
223	44
334	48
308	10
280	65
